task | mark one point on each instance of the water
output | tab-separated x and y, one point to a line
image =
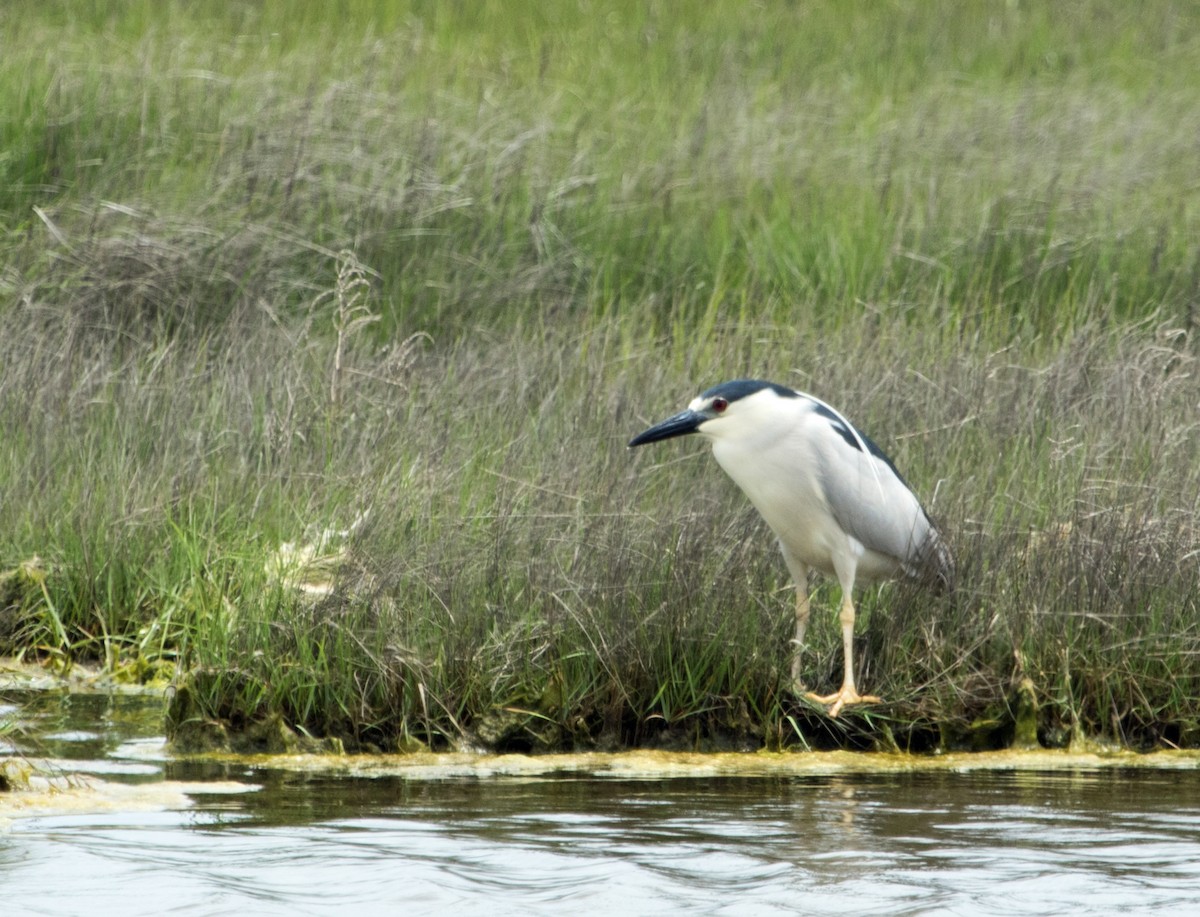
1099	841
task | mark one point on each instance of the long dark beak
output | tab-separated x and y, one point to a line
681	423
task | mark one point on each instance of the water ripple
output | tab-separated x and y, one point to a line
949	843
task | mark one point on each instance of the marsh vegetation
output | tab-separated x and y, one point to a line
324	335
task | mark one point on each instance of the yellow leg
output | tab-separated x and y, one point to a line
848	694
802	612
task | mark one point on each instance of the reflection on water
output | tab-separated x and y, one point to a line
923	843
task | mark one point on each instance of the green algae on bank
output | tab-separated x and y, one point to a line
19	674
660	765
31	788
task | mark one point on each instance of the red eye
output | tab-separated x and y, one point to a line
719	405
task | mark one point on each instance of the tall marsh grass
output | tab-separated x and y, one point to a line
417	276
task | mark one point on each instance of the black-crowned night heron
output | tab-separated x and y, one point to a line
836	503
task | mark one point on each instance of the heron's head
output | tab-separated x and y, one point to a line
724	409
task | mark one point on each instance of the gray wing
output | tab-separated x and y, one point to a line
868	498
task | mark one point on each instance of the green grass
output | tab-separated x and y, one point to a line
973	227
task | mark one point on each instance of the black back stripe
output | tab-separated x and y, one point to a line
742	388
840	427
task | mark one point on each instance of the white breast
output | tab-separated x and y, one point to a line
784	463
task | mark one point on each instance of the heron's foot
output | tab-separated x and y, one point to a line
846	697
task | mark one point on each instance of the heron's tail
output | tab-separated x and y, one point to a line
936	562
